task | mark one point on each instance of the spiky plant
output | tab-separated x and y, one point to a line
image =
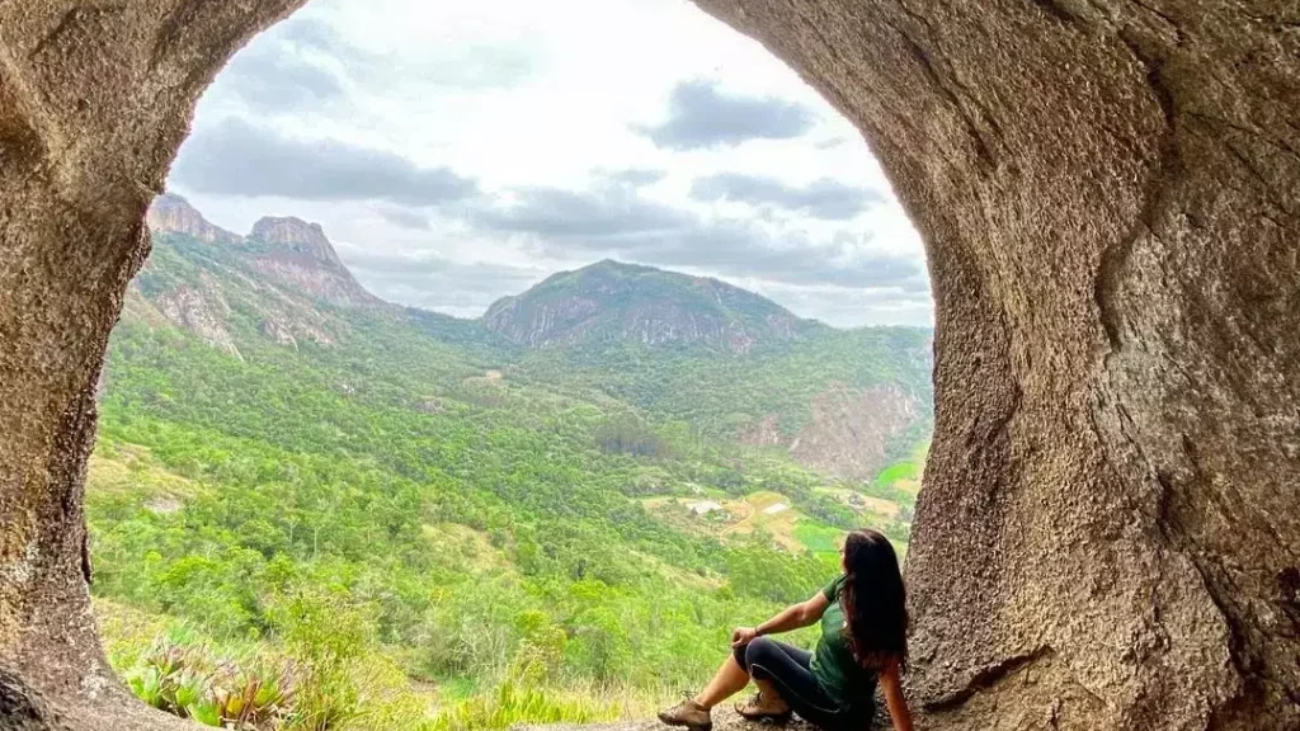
187	682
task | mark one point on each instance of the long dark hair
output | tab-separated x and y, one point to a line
874	601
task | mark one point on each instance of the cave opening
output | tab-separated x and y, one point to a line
1108	535
462	389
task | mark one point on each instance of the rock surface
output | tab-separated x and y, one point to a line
1109	531
171	213
290	251
1109	537
301	256
294	235
724	719
850	432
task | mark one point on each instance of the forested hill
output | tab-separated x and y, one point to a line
717	360
419	513
613	302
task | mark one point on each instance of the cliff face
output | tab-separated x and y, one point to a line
850	433
1108	537
170	213
279	274
299	255
295	236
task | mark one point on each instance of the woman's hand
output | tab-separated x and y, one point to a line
892	684
792	617
743	636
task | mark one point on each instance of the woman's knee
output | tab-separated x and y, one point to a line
758	649
738	654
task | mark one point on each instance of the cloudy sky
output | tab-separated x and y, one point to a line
459	152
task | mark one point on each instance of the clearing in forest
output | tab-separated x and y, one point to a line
765	511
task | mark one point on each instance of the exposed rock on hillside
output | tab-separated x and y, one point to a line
300	256
281	291
203	311
299	237
295	252
170	213
850	432
613	301
1109	534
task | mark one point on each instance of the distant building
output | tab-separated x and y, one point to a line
704	507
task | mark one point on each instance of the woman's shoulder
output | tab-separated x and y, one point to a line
832	589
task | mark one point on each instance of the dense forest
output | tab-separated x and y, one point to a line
322	515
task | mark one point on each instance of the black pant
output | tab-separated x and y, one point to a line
790	670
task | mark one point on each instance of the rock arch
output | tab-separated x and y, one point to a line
1110	192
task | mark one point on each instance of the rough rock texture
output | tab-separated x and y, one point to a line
1110	193
1109	537
95	98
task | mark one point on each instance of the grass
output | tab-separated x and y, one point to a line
133	470
383	697
898	472
473	548
818	538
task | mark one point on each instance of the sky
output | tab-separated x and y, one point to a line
456	153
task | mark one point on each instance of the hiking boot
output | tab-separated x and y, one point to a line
761	708
688	713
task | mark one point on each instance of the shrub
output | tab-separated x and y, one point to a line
190	683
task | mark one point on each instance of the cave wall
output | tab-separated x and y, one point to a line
1109	536
1109	533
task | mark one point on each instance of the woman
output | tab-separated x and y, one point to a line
863	639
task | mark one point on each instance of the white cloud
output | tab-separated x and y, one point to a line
513	97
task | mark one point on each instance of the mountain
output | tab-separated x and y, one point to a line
170	213
289	251
730	363
609	301
297	254
203	278
396	514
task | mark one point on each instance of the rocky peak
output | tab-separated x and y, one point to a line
297	236
302	256
171	213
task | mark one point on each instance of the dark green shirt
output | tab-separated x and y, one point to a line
833	665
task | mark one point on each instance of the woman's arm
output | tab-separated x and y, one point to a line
892	684
792	617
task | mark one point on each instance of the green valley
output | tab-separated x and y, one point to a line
314	509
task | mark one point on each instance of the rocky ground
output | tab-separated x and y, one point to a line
724	719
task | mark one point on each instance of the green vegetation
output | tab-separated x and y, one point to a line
420	526
819	538
896	472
